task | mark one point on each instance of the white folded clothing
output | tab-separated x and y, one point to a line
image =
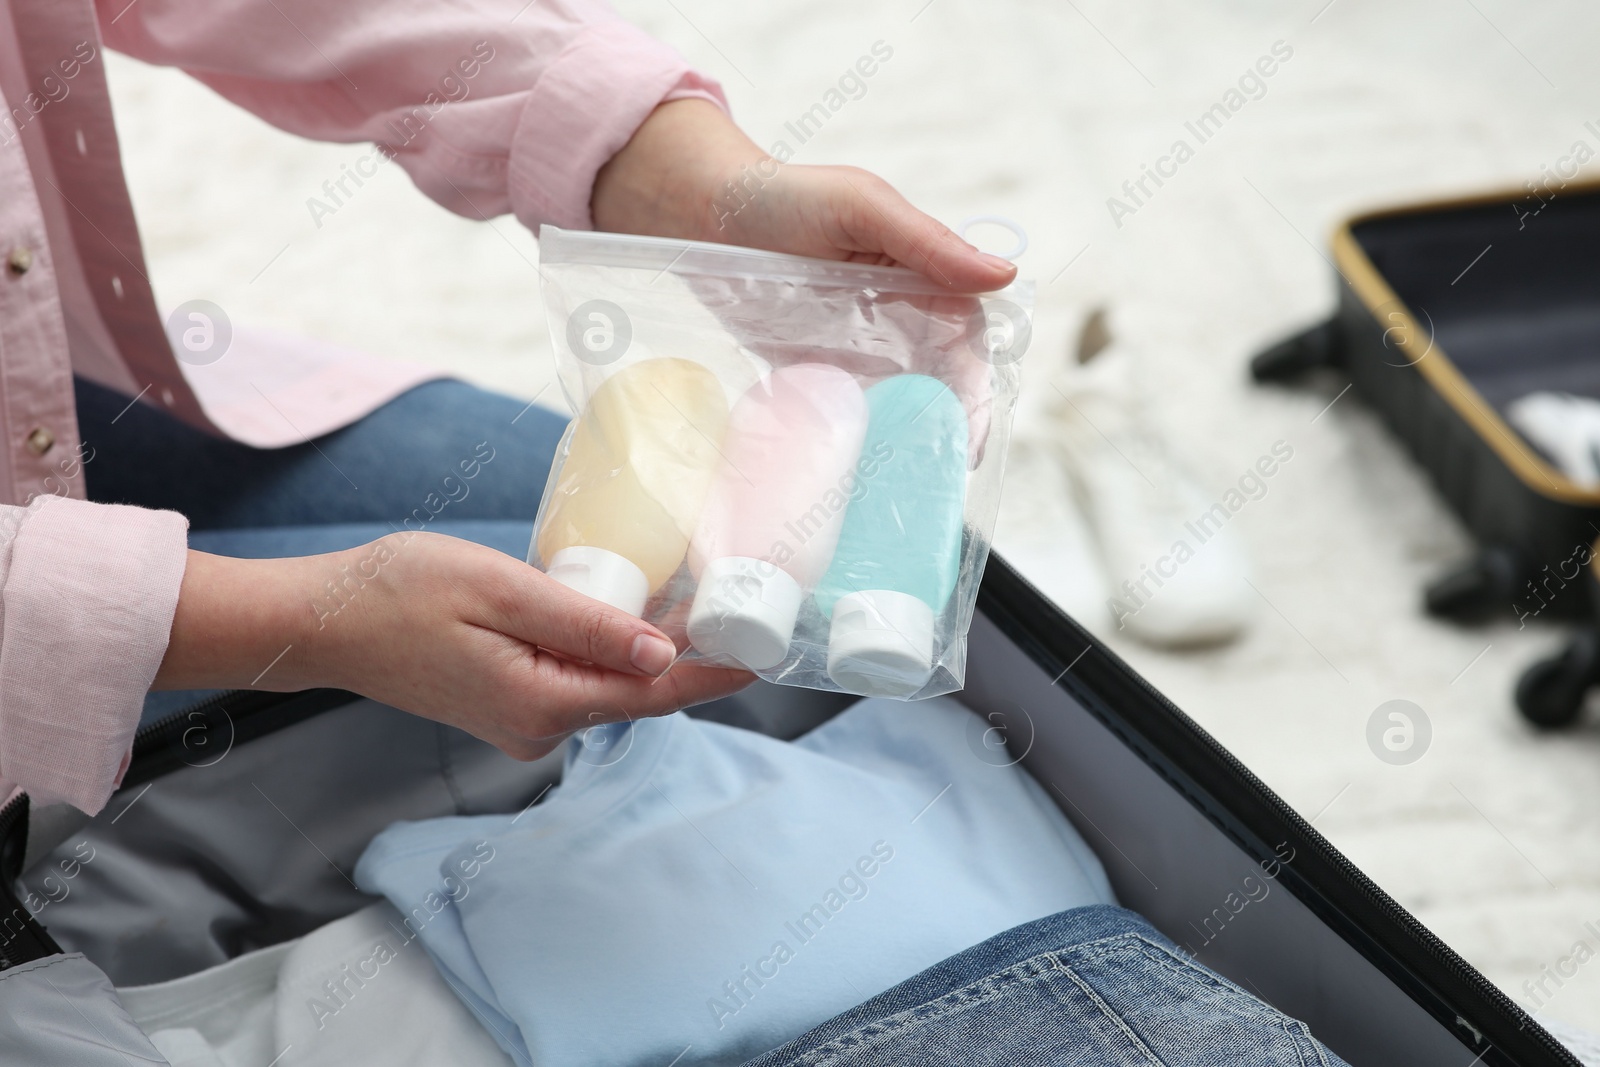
358	990
1565	428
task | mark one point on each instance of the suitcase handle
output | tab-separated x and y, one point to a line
1321	345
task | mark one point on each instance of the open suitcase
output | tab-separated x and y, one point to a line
237	818
1447	312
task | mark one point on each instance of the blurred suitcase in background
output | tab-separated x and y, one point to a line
1553	691
1448	312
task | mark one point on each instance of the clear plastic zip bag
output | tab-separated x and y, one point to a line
786	464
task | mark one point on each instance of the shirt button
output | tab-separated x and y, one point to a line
40	440
19	260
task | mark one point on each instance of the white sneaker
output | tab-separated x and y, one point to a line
1177	571
1042	533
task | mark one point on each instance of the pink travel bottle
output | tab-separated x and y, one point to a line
772	517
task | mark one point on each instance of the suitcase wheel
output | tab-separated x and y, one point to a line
1482	587
1297	355
1550	693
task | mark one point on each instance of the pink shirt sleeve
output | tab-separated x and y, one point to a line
490	105
87	595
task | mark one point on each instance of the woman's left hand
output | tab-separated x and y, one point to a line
689	172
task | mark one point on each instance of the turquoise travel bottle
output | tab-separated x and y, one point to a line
899	551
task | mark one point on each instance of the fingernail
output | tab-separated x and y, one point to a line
996	261
652	655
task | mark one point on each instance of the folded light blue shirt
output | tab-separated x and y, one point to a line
698	894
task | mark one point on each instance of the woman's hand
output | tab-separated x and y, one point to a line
689	172
444	628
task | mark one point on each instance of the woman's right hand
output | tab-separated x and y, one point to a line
436	626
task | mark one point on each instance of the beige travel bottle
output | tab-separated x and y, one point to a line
627	497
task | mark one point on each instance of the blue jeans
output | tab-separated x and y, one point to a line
385	472
404	466
378	473
1091	986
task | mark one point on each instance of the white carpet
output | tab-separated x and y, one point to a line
1041	110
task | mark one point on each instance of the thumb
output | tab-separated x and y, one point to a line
884	219
541	611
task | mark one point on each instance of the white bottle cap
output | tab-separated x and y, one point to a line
881	643
603	575
744	611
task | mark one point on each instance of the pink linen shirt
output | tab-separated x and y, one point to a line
492	106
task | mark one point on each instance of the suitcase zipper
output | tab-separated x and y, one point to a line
13	837
202	734
22	938
154	733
